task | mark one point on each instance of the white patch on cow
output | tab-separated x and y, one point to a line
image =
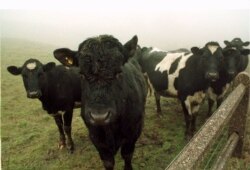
167	61
165	65
66	67
193	102
234	48
212	48
224	90
156	49
211	95
31	66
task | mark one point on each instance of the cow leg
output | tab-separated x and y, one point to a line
67	117
127	151
59	123
158	104
188	119
104	147
108	163
107	158
193	125
219	101
210	107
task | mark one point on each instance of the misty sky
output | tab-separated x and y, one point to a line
164	28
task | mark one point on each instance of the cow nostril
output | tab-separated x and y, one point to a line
232	72
213	76
34	94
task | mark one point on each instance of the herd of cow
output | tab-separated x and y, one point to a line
111	81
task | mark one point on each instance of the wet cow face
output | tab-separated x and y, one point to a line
211	57
101	60
33	76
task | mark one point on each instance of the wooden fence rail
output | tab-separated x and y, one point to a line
233	112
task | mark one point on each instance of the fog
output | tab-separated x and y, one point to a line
158	27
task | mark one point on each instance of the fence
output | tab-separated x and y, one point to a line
232	113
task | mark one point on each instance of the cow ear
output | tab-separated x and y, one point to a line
49	66
246	43
196	51
14	70
65	56
131	46
245	52
227	43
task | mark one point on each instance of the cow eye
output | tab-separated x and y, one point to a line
82	76
118	75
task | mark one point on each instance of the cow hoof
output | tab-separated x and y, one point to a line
188	138
70	151
159	114
61	145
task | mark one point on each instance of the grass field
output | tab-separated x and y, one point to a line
29	135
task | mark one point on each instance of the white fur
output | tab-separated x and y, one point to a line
198	97
165	65
212	48
31	66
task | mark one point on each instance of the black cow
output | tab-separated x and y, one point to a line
184	75
235	60
57	87
238	44
113	96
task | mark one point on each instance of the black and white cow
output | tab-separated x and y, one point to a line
235	60
113	96
57	87
184	75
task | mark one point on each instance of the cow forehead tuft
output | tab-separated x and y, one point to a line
212	48
31	65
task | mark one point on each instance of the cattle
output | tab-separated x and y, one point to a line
113	96
239	44
235	60
57	87
182	74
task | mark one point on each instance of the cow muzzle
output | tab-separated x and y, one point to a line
232	74
100	117
34	94
212	76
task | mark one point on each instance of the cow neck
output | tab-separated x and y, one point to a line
45	90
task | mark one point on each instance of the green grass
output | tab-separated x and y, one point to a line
29	135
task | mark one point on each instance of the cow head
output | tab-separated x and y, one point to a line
232	59
210	58
101	60
33	76
236	42
66	56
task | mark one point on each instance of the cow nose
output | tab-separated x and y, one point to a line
33	94
231	73
100	117
213	76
